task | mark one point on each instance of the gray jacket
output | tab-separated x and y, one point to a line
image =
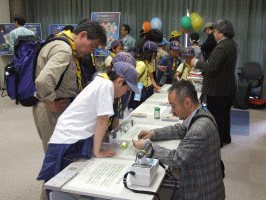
219	79
198	156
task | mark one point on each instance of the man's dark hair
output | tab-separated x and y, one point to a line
68	27
127	28
154	35
20	19
225	27
82	21
146	56
184	89
94	31
194	37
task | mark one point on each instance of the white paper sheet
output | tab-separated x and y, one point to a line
158	97
148	109
102	175
133	132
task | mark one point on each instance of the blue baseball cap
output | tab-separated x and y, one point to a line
164	42
116	43
129	73
175	45
124	57
189	51
150	46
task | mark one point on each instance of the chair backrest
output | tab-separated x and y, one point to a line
252	71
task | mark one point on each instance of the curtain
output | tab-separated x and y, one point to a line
133	12
248	18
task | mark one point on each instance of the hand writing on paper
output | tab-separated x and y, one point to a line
145	135
105	153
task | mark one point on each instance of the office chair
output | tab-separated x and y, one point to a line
253	73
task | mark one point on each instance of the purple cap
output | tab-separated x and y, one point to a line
124	57
189	51
175	45
129	73
116	43
150	46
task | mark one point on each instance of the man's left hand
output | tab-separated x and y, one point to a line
193	62
138	144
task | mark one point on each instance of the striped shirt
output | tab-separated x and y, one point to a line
13	35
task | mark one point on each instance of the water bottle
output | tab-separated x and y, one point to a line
137	97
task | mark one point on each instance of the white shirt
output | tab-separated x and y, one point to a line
79	120
187	121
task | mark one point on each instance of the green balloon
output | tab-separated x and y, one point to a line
185	23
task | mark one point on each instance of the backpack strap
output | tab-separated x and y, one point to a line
38	52
142	73
198	117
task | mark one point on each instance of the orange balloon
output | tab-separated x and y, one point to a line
146	27
184	29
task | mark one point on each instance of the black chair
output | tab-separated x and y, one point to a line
253	73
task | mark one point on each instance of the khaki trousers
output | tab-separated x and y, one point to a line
45	122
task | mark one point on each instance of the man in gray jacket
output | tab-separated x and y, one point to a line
219	81
198	155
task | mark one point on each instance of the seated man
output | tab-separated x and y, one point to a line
198	155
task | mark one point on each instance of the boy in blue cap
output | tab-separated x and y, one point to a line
169	64
185	68
120	103
117	46
161	52
145	74
80	129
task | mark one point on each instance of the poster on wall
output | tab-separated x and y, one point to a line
57	28
110	21
5	29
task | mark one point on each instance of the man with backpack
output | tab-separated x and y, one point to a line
55	58
20	30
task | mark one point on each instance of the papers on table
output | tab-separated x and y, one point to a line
102	175
148	109
133	132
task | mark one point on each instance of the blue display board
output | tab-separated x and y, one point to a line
5	29
111	22
57	28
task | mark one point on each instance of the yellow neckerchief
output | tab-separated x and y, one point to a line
188	68
68	35
174	64
92	59
112	54
148	74
103	75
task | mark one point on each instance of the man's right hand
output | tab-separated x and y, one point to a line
146	135
57	106
163	68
